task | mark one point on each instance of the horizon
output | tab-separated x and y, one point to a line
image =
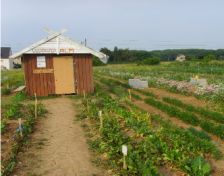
154	25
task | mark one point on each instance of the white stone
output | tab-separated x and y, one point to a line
137	83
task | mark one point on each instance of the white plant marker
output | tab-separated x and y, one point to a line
129	92
35	95
20	127
101	119
125	153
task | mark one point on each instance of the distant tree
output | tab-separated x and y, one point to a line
209	57
108	53
97	62
150	61
118	55
115	54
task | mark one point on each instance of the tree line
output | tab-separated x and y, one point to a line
118	55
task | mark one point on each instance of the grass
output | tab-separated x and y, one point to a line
12	78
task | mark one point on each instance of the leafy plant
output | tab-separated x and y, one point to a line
198	167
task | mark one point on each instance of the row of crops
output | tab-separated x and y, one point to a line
209	121
13	134
153	143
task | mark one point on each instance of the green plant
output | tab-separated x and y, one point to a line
198	167
200	134
173	111
13	111
202	111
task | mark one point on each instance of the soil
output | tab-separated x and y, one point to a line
160	93
58	147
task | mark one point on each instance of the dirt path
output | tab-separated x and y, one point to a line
58	147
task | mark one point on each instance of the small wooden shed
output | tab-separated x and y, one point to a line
58	65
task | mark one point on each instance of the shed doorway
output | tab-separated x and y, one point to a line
64	74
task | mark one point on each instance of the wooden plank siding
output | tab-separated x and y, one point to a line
83	73
43	84
40	83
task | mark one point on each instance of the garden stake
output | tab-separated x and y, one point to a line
125	152
101	120
35	105
20	127
129	92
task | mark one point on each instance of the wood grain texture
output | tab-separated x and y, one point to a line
83	73
43	84
40	83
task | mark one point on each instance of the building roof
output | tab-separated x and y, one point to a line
5	52
56	43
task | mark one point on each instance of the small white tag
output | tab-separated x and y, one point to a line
100	113
124	150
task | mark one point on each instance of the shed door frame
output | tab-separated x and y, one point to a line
64	75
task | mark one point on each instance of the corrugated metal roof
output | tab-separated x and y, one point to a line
56	43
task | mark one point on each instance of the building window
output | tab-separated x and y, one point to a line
41	62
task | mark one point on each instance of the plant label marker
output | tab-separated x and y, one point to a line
101	119
35	95
129	92
20	127
125	152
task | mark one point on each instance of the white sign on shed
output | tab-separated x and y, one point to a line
41	62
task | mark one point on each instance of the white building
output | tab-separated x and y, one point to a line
180	58
6	62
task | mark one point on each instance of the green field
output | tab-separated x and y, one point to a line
181	73
167	131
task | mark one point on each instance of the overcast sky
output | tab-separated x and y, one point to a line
134	24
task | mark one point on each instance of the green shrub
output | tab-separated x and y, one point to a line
150	61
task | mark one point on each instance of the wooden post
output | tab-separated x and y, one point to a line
20	127
129	92
101	120
35	105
